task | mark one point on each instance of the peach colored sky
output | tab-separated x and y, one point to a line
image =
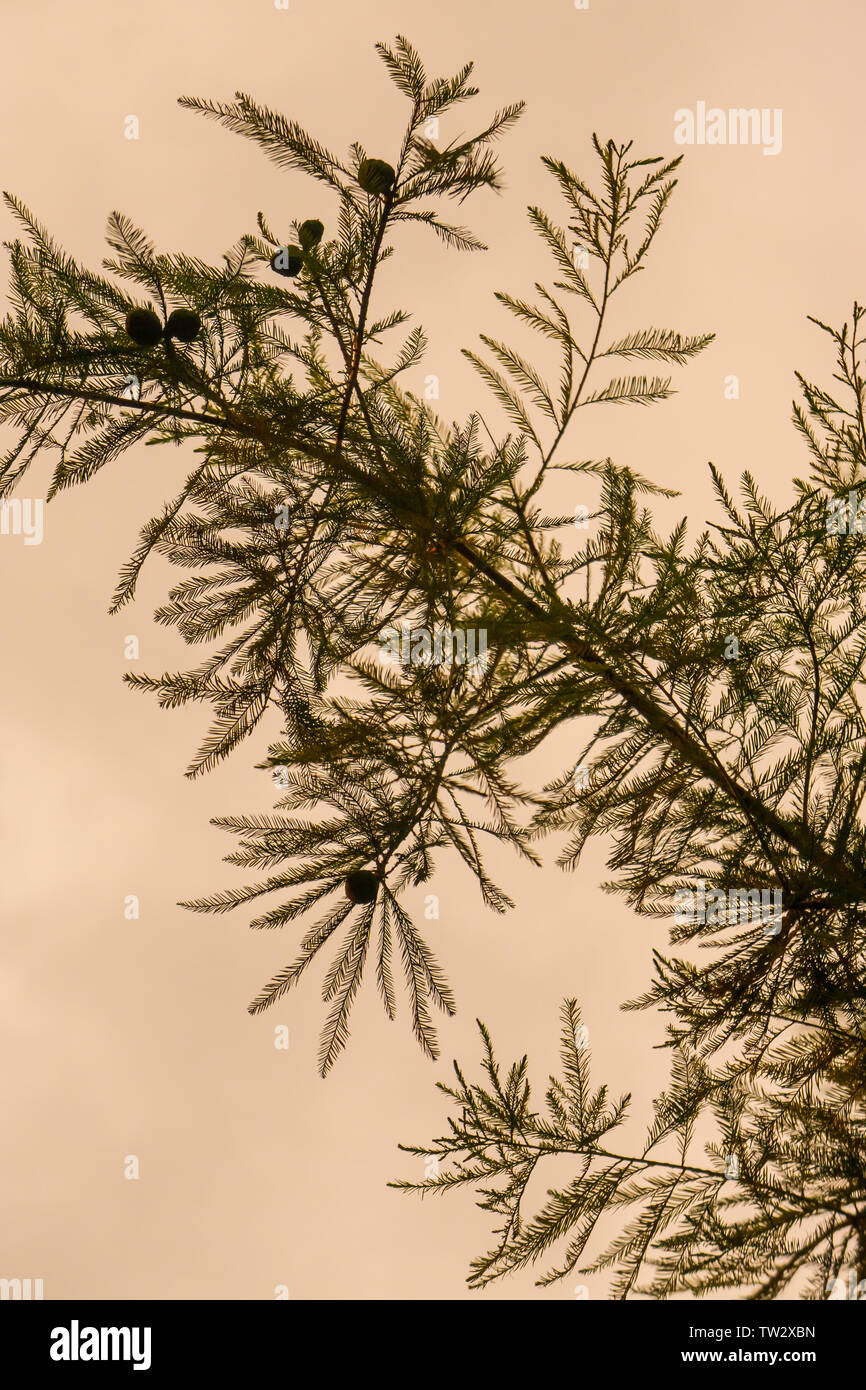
133	1037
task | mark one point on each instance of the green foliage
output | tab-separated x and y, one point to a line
328	503
788	1214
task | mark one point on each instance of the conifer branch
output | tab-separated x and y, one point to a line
332	507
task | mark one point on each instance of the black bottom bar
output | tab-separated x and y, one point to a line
161	1339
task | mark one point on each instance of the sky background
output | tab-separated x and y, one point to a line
132	1037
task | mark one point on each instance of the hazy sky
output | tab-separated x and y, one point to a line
128	1037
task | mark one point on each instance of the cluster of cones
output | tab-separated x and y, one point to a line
375	177
144	327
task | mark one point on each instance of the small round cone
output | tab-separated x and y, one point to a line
143	327
361	886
